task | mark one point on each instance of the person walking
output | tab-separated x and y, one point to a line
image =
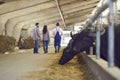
57	32
36	37
45	38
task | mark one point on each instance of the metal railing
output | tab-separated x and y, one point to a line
104	4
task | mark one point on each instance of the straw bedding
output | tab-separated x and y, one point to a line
73	70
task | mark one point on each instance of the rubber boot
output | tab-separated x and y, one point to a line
55	49
58	49
44	50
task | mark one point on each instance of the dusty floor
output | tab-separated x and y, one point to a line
24	65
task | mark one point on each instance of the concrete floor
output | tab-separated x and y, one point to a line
18	65
15	65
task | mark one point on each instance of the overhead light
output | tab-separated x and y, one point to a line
118	3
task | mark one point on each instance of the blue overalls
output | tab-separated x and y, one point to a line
57	41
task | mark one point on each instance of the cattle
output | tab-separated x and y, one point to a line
82	42
79	42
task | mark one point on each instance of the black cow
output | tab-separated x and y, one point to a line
79	42
82	42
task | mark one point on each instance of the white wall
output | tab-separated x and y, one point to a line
65	38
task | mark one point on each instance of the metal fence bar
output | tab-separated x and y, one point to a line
98	39
111	36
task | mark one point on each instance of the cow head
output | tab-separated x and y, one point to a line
78	43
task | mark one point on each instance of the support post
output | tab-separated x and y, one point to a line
91	50
98	39
59	9
111	36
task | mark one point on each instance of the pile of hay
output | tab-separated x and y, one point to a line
73	70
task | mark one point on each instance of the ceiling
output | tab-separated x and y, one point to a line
16	15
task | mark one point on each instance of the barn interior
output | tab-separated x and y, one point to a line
18	18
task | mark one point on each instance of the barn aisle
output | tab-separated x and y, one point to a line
24	65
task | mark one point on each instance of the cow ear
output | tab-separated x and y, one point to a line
71	34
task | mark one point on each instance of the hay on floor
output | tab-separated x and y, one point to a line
73	70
